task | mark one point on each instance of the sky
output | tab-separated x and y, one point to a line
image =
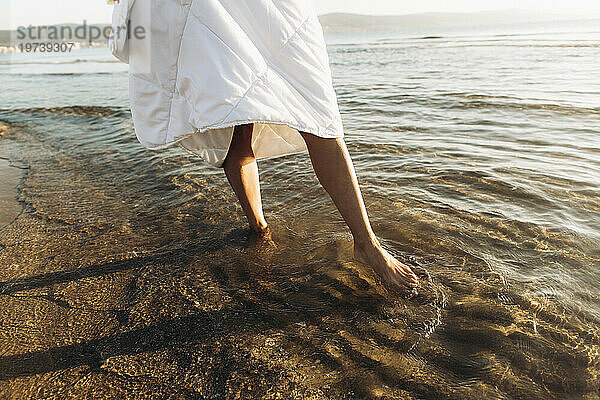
43	12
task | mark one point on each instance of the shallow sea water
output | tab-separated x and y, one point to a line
132	274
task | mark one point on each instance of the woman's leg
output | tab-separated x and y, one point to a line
334	169
242	172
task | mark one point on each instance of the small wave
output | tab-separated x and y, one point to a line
532	45
544	33
475	96
517	40
485	101
400	40
77	111
55	74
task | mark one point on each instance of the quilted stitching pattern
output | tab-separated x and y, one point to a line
226	62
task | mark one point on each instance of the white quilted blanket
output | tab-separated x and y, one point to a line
199	67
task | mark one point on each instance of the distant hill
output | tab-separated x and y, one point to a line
344	22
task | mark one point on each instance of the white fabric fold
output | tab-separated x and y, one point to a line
205	66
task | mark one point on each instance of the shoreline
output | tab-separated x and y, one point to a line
9	179
10	176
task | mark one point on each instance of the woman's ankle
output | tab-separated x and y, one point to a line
260	227
366	243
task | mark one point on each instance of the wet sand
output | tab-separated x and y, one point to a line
10	177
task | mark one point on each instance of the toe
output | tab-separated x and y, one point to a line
407	273
411	279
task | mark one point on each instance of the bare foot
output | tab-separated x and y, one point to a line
389	268
261	244
260	228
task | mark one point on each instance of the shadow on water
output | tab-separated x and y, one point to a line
262	307
53	278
